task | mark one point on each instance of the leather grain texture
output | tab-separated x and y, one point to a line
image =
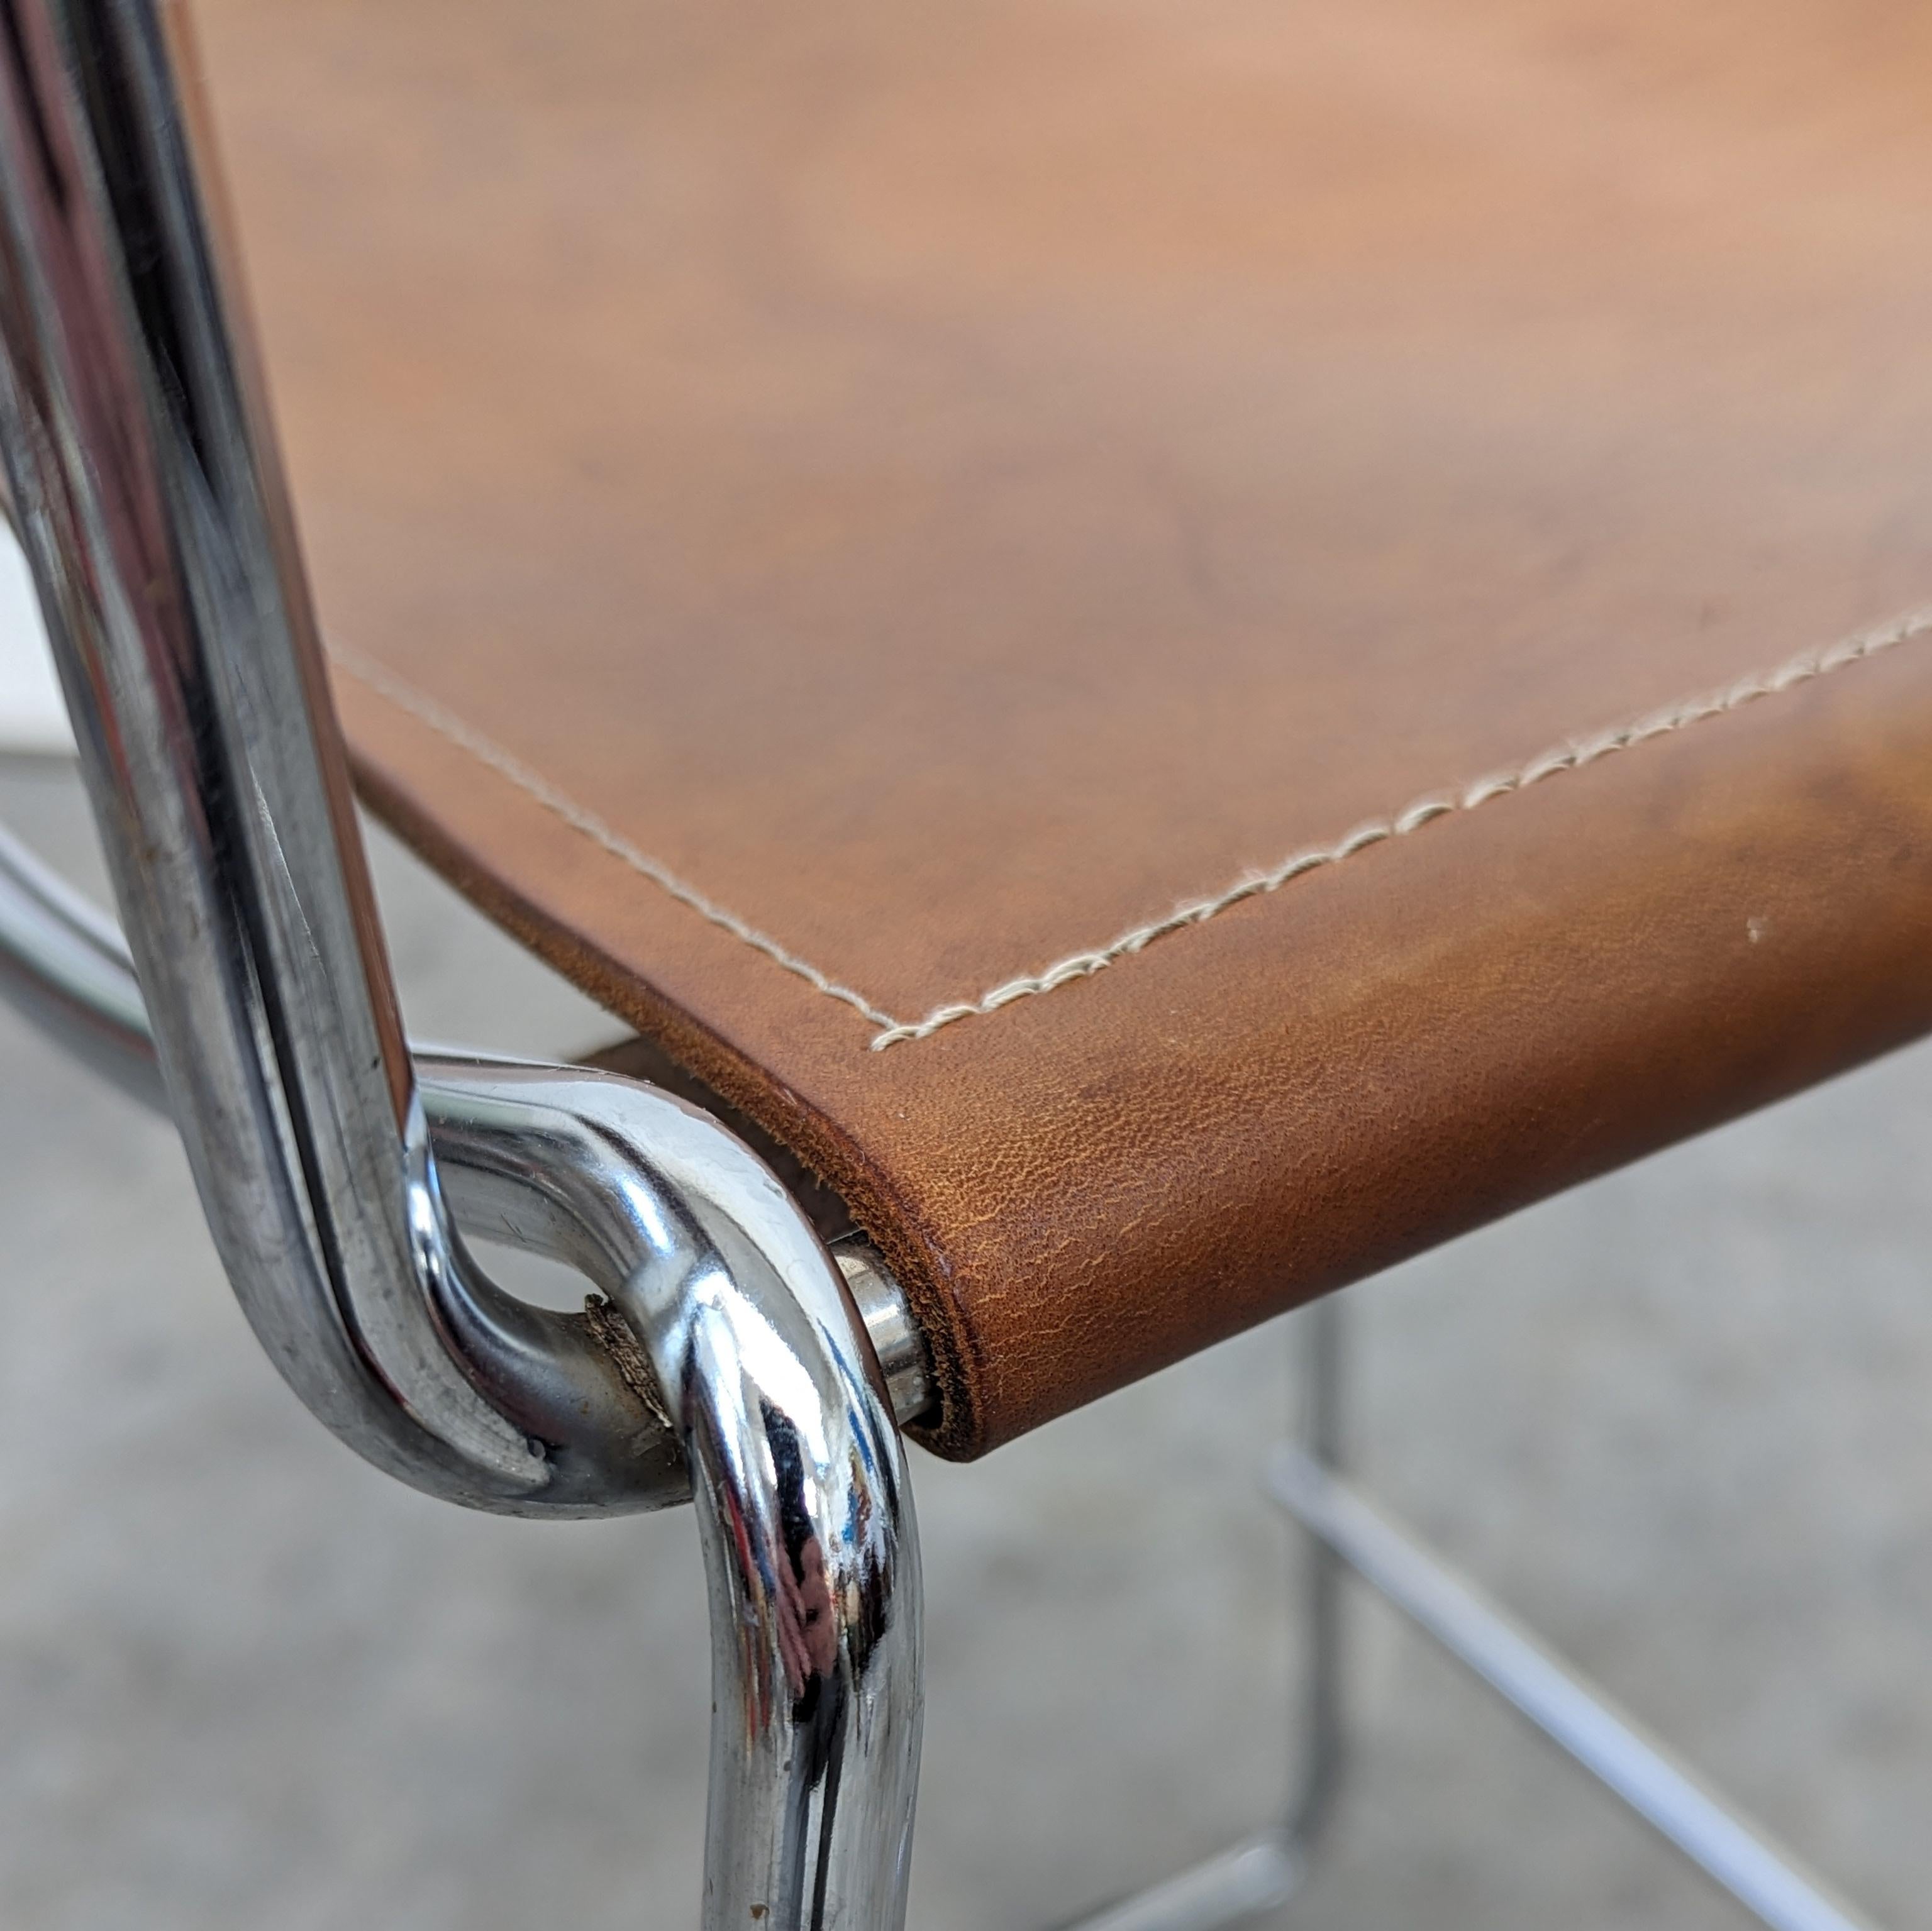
824	513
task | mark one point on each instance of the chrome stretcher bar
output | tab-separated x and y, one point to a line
1345	1533
1573	1714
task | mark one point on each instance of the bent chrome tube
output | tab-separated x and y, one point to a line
152	511
759	1352
753	1343
65	964
778	1376
151	507
1571	1711
804	1508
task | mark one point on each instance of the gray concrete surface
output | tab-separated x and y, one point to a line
1678	1419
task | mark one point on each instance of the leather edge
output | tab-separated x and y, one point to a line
832	1158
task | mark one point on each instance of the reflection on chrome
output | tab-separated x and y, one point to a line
735	1360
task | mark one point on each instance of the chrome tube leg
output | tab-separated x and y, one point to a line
151	505
1307	1478
1260	1874
816	1689
810	1551
758	1349
1322	1743
1565	1706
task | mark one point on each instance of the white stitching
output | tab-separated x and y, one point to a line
485	750
1567	756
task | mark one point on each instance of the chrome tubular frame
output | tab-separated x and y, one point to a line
749	1343
1737	1855
1345	1531
1260	1874
151	505
733	1356
804	1510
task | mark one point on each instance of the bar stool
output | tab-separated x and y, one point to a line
1164	654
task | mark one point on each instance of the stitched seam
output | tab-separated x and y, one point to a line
487	751
1571	755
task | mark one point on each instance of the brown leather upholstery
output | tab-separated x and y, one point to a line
825	512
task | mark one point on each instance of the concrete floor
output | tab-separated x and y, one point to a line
1677	1419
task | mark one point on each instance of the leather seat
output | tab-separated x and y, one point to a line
1191	644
